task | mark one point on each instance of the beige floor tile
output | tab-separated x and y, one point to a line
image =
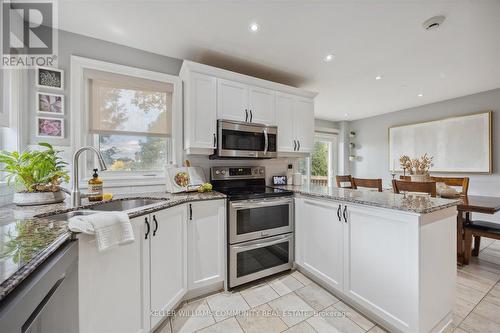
475	281
302	327
291	308
478	324
377	329
355	316
261	319
331	320
165	327
481	270
229	325
484	265
259	294
226	305
316	296
461	309
285	284
459	330
490	256
192	317
302	278
488	310
469	294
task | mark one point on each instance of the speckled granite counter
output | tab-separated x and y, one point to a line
420	204
28	236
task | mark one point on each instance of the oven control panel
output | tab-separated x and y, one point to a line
228	173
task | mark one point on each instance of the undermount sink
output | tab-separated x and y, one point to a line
68	215
127	204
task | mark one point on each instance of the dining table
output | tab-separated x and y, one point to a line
472	204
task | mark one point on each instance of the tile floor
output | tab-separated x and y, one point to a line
292	303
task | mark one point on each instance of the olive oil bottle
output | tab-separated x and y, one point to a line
95	187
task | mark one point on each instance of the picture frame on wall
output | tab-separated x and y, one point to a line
50	103
47	127
51	78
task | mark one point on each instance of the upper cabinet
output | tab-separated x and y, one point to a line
241	102
211	93
295	120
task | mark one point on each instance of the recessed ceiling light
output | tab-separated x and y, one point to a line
378	77
420	95
433	23
329	57
254	27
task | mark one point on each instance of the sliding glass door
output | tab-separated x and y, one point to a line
324	161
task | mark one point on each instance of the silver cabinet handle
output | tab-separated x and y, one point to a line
266	141
272	241
250	204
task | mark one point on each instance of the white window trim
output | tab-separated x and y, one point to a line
79	113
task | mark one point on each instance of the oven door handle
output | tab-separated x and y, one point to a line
271	241
249	205
266	141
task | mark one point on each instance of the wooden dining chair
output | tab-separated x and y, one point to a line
478	229
366	182
462	182
344	179
408	186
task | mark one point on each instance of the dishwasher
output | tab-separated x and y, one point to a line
47	301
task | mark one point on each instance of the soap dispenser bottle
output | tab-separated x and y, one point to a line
95	187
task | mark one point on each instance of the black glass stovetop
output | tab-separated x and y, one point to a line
253	192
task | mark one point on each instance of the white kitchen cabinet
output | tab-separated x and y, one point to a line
112	290
200	116
168	260
396	266
304	124
261	105
295	120
206	241
232	101
285	122
320	240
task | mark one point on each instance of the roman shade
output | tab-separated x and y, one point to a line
127	105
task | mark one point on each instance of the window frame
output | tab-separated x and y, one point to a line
80	136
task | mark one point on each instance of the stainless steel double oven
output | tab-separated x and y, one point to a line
260	224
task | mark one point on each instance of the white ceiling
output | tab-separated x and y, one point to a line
368	38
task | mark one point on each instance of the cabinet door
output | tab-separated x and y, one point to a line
304	124
206	230
380	262
261	105
201	111
168	260
112	291
232	100
321	238
285	122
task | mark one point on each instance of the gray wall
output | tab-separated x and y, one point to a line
326	124
74	44
372	137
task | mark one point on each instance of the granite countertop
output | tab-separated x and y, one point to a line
420	204
28	235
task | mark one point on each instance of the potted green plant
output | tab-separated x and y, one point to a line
35	175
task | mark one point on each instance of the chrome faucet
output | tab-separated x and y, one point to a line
76	195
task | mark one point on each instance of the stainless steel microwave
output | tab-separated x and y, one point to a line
237	139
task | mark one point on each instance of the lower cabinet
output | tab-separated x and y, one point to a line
400	267
320	240
131	288
167	261
206	242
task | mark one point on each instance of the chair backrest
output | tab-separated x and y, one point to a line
462	182
370	183
344	179
408	186
405	177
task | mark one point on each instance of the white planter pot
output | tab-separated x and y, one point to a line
38	198
419	178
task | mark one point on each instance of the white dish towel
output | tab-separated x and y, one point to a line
110	228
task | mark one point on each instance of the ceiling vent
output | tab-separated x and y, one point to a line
433	23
